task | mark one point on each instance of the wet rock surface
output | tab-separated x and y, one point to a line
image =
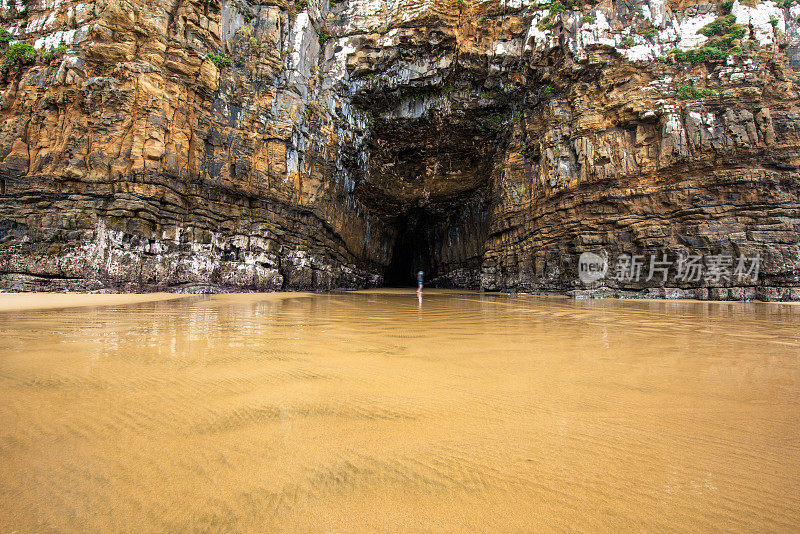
347	145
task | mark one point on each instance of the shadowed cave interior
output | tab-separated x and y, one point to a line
429	180
412	251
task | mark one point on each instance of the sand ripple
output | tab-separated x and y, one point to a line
364	412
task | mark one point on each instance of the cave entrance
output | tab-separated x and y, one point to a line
429	180
447	244
411	251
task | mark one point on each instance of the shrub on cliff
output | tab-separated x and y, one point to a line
649	33
724	39
689	92
5	35
557	7
723	33
553	8
700	55
19	53
220	60
720	26
54	53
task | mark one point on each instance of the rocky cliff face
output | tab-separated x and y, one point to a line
489	143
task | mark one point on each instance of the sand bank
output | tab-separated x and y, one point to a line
10	302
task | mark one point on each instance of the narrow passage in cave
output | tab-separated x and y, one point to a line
411	251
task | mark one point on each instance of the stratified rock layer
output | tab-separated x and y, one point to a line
489	143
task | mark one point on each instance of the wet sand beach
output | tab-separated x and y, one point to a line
366	411
10	302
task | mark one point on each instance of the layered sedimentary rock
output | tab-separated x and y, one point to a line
489	143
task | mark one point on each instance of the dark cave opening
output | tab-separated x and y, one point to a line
411	251
447	244
429	179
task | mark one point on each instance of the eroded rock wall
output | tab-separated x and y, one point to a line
132	162
611	160
524	133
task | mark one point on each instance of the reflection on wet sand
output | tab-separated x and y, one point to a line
373	410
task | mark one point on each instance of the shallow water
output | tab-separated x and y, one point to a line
366	411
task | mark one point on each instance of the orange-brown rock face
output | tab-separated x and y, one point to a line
489	143
132	162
